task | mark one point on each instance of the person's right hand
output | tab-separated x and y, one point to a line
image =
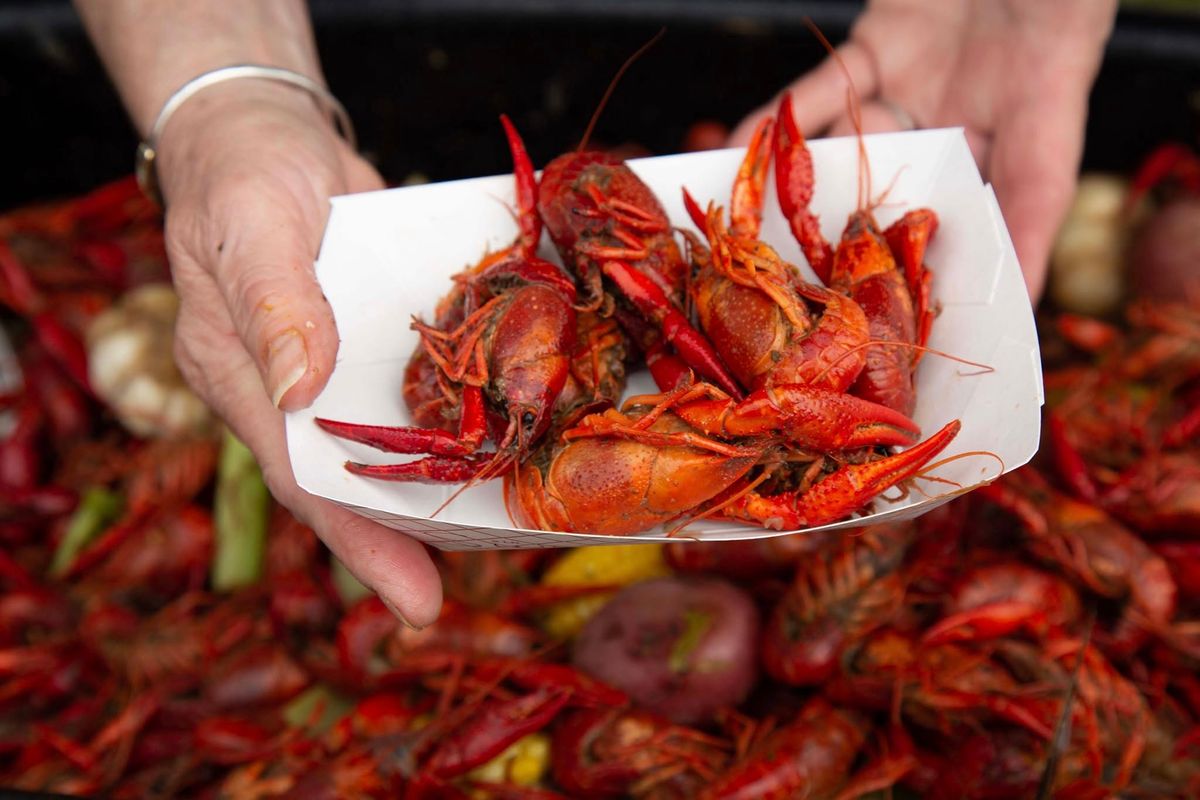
1014	73
247	169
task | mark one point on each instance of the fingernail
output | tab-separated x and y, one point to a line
396	612
287	361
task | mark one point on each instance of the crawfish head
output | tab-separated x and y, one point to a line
808	757
529	345
616	479
838	596
631	752
594	198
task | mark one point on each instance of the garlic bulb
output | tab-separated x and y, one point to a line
131	365
1089	254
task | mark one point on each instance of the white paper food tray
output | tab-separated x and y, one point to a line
389	255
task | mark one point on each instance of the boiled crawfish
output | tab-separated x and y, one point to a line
809	756
651	465
615	237
1096	551
631	752
496	358
838	596
751	303
882	271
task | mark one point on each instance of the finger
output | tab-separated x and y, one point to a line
1035	158
396	567
876	117
818	97
267	236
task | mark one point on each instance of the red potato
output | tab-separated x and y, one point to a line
682	647
1165	262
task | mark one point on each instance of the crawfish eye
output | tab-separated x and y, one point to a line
527	419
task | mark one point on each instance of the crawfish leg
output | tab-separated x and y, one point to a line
493	728
809	416
434	441
526	191
434	469
650	300
842	493
746	203
794	185
613	424
908	238
452	458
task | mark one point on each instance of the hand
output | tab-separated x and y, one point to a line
1015	73
247	169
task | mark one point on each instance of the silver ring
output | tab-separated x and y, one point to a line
147	151
906	120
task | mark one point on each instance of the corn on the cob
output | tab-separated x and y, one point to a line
608	565
522	764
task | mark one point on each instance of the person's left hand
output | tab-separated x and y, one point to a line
247	170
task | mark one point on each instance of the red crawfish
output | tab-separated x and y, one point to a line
1000	596
1183	560
492	718
1094	550
1116	720
810	756
1159	494
48	415
751	303
495	359
623	472
943	687
629	752
175	645
303	600
591	481
615	238
1100	426
156	557
58	275
62	264
838	595
1165	344
1002	762
883	271
375	650
161	539
835	490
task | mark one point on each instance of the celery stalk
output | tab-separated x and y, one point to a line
241	510
97	509
348	587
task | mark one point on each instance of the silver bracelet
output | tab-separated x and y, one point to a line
144	167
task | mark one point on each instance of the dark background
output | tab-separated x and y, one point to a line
425	80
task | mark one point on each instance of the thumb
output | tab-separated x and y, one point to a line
264	267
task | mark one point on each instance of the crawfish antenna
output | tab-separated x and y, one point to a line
855	109
1062	729
587	134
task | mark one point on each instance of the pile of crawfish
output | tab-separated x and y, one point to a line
780	400
1040	637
